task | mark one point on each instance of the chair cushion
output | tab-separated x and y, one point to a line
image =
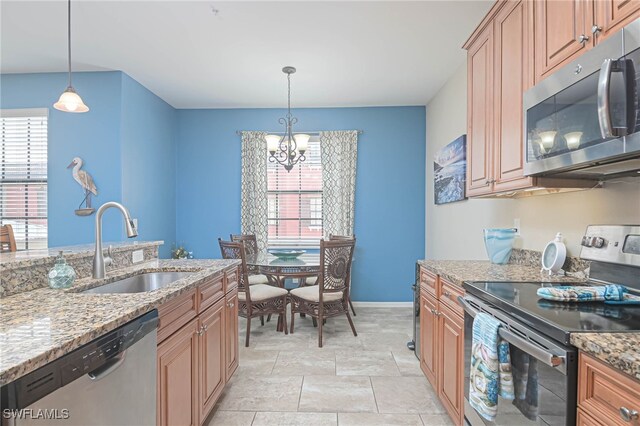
262	292
311	281
312	294
258	279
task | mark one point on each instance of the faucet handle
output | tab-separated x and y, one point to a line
109	259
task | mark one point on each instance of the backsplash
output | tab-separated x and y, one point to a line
534	258
22	271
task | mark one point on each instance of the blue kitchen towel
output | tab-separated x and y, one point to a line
576	293
490	374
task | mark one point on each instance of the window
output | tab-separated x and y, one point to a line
23	176
295	201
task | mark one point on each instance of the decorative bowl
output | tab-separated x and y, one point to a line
286	254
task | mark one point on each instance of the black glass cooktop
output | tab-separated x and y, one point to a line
556	319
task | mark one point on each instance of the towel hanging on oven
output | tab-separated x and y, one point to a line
613	294
490	373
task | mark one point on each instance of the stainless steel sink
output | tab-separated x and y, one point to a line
140	283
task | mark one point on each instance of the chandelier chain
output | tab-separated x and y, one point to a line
69	38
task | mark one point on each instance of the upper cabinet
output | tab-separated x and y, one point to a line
562	32
516	45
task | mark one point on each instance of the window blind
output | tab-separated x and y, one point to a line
295	201
23	176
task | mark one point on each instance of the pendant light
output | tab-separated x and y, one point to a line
288	149
70	101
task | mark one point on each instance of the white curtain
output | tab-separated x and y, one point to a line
339	152
254	204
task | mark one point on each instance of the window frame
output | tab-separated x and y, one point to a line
24	244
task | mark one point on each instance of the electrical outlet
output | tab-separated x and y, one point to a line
516	225
137	256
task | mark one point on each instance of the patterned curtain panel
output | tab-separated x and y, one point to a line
339	151
254	204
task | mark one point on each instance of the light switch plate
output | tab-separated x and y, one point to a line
137	256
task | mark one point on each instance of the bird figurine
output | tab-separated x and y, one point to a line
86	182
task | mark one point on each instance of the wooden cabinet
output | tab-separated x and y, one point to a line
605	393
562	32
429	337
451	368
442	343
197	350
178	377
231	341
513	75
611	15
212	375
480	113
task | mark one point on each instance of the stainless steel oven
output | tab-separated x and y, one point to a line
583	121
551	377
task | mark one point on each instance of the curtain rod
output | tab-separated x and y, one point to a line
315	132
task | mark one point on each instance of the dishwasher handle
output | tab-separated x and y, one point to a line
109	367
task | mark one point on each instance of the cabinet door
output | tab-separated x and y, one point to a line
178	377
231	333
513	75
611	15
559	26
428	337
480	113
212	366
450	368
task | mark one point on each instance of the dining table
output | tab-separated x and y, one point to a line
278	270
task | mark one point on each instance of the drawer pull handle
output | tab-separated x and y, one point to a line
231	304
447	294
628	415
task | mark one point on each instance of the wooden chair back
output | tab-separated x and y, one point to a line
7	239
236	250
250	242
335	266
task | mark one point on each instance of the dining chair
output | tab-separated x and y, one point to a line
254	300
7	239
330	297
251	249
313	280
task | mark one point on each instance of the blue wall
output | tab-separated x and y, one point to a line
390	204
148	162
126	141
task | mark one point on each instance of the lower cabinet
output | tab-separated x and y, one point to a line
212	341
451	368
196	361
178	377
442	344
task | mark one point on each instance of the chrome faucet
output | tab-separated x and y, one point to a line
99	261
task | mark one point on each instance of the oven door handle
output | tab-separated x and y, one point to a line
543	355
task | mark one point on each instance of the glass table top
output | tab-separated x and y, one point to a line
307	260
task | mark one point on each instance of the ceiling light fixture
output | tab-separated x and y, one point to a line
70	101
287	149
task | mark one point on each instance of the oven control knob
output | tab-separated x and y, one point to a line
599	242
586	241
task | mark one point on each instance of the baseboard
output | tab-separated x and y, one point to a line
383	304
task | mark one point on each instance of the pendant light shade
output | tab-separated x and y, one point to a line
69	100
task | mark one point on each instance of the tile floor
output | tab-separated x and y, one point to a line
372	379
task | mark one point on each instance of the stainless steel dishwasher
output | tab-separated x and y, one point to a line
109	381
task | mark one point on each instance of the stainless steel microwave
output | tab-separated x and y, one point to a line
583	121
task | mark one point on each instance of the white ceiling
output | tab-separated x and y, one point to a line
347	53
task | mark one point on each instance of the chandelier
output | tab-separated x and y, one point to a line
287	149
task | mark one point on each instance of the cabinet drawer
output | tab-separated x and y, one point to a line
211	291
176	313
232	279
449	293
584	419
603	392
429	282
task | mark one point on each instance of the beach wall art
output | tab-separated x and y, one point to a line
450	172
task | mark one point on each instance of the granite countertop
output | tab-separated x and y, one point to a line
459	271
620	350
34	257
39	326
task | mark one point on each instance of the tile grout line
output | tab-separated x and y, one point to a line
374	395
300	395
253	419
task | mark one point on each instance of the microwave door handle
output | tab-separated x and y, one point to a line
629	74
604	111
